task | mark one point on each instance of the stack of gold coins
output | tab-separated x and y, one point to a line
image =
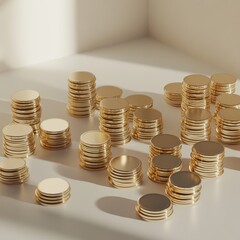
52	191
125	171
95	150
18	140
207	159
196	125
113	118
138	101
147	123
195	92
154	207
228	125
55	134
173	94
222	83
26	108
162	166
184	187
81	94
107	92
165	144
13	171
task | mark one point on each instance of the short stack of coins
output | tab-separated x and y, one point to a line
195	92
113	119
147	123
207	159
13	171
95	150
222	83
165	144
52	191
173	94
184	187
107	92
154	207
55	134
138	101
18	140
162	166
81	94
228	126
196	125
125	171
26	108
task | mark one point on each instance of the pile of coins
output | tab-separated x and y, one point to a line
26	108
154	207
196	125
147	123
13	171
55	134
107	92
195	92
162	166
173	94
95	150
207	159
222	83
52	191
18	140
113	119
125	171
165	144
81	94
138	101
228	125
184	187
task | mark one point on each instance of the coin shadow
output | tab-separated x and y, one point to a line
232	163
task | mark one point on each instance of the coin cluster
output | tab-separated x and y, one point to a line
55	134
95	150
154	207
26	108
13	171
184	187
18	140
125	171
162	166
173	94
52	191
207	159
81	94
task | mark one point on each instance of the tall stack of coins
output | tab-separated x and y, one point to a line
55	134
26	108
222	83
13	171
162	166
125	171
173	94
18	140
107	92
81	94
228	125
113	118
196	125
207	159
138	101
52	191
147	123
95	150
154	207
184	187
195	92
165	144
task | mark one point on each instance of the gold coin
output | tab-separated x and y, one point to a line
147	115
17	130
82	77
12	164
108	92
25	96
196	114
114	104
223	78
174	88
166	162
228	99
208	148
139	101
54	125
165	141
196	80
94	138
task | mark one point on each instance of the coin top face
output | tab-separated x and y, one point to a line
166	161
223	78
229	114
114	103
196	80
148	114
12	164
139	100
25	95
165	141
82	77
95	137
54	125
208	148
109	91
125	163
174	88
198	114
228	99
17	130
